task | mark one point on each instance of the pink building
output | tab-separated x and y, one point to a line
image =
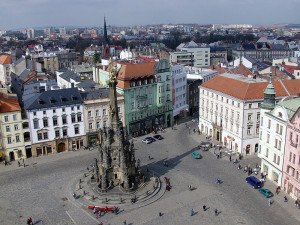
291	165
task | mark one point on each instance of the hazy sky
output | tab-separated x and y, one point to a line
37	13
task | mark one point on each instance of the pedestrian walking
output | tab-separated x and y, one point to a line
277	191
160	214
97	215
230	158
100	223
204	207
192	212
124	222
285	199
269	202
149	157
74	195
5	162
216	212
19	164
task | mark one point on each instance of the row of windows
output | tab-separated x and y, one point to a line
44	135
6	118
54	110
279	128
98	125
97	112
64	120
181	88
229	101
180	80
180	97
17	137
16	127
134	83
141	92
277	142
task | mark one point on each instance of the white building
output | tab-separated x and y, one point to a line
272	138
194	73
229	109
56	121
191	54
179	82
5	79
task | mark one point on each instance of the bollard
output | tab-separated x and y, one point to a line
79	186
83	192
106	200
93	197
79	181
121	200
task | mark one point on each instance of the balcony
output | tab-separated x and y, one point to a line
217	125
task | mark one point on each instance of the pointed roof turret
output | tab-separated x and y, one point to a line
269	96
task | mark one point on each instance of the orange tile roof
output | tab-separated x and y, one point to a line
131	70
4	59
244	90
8	104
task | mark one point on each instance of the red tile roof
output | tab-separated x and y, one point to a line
131	70
242	70
243	90
218	68
4	59
8	104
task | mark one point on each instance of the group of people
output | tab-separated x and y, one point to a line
204	209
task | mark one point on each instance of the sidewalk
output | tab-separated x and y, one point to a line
43	159
251	161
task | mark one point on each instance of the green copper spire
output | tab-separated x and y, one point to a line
269	96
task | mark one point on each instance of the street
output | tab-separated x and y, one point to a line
43	189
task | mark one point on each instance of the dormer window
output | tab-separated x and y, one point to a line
73	97
40	101
52	100
62	99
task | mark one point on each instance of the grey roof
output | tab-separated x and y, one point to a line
101	93
67	75
19	61
24	74
53	98
277	47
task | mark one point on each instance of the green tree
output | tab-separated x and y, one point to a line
96	57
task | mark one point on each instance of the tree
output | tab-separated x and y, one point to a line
96	58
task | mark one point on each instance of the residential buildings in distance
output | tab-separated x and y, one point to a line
56	121
12	140
229	109
191	54
147	90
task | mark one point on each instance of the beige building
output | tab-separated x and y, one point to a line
51	64
12	141
96	113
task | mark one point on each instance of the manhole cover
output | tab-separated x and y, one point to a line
64	199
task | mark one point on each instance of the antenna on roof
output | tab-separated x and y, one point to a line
271	76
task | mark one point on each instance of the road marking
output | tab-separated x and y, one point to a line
71	218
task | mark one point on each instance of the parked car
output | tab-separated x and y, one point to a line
158	137
204	146
266	192
148	140
196	155
256	183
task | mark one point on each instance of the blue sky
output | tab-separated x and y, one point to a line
37	13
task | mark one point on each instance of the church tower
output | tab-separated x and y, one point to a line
105	43
116	165
269	97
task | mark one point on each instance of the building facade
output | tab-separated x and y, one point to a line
229	109
96	114
179	84
147	90
291	164
5	79
56	121
12	140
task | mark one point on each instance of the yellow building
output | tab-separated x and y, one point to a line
11	138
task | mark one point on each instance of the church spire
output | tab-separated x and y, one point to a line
105	39
105	43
